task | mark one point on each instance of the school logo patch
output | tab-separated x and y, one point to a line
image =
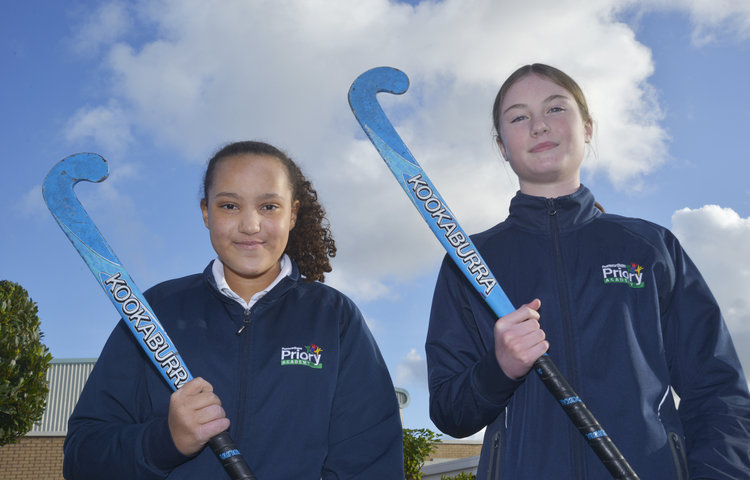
309	356
630	274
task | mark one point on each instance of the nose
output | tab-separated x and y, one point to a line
250	222
538	127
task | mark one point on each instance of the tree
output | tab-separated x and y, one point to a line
23	363
418	444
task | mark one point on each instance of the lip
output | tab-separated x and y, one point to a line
543	147
248	244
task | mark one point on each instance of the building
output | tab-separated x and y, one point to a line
452	457
39	454
450	468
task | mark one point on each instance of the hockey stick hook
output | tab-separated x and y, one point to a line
369	113
61	199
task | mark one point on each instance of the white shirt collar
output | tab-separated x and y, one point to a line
221	281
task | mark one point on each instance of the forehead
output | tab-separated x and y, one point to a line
250	171
531	89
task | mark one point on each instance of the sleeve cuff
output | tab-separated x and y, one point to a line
159	449
491	382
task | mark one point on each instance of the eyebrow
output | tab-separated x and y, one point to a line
546	100
226	194
265	196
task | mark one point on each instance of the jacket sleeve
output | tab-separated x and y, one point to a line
365	436
468	389
706	374
113	432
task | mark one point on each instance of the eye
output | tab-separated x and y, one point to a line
517	118
228	206
556	109
269	207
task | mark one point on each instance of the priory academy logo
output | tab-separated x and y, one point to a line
630	274
309	356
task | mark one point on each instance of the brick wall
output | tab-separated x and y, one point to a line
40	458
32	458
454	450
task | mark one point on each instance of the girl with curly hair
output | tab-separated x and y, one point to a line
283	361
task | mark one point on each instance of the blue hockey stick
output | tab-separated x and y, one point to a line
424	196
120	288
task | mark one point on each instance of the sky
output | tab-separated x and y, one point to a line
156	87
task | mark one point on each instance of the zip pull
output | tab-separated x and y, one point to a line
245	323
551	210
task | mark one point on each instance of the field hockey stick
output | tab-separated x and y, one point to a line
121	290
442	222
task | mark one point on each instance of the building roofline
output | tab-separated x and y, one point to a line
73	360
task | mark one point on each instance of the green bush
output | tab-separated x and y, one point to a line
23	363
418	444
460	476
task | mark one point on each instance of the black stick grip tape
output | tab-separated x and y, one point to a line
231	458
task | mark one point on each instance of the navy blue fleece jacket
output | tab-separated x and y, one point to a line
304	385
628	317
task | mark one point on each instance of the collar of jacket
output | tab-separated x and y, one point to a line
282	287
572	211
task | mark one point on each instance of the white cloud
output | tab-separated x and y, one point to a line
712	19
101	28
362	288
107	126
477	437
373	325
279	71
189	75
411	370
718	241
32	203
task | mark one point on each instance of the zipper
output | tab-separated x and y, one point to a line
678	452
566	324
493	472
245	322
243	376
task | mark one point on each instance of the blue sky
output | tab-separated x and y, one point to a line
156	87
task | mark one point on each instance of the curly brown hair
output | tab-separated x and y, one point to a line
311	243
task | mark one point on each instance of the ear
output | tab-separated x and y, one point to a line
588	129
293	220
501	147
204	211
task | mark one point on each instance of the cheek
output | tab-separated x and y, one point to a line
578	139
213	232
217	229
512	151
513	139
280	229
